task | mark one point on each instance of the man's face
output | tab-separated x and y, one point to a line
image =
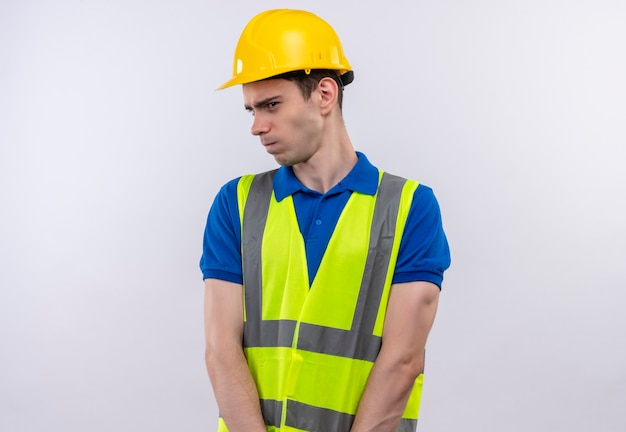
289	127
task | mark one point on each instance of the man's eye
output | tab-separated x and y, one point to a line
272	105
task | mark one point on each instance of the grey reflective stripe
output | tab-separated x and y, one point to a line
344	343
268	333
407	425
272	411
360	342
254	219
382	236
315	419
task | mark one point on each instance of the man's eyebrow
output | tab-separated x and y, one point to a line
261	103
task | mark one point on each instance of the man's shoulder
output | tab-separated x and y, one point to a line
393	177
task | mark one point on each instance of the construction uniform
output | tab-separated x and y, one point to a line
317	271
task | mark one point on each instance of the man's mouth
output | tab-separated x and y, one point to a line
269	145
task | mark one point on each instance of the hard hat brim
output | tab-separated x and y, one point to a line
346	75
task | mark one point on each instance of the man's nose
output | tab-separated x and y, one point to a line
259	125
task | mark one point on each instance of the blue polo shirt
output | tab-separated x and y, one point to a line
423	255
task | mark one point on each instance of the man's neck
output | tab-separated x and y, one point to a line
328	166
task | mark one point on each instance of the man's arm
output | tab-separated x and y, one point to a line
410	315
234	388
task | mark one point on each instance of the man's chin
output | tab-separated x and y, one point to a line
282	162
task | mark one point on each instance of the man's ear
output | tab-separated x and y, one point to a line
329	91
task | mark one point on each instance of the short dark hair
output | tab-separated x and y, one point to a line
308	82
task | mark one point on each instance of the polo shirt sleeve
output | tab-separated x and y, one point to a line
221	249
424	253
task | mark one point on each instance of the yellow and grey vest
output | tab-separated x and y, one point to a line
311	348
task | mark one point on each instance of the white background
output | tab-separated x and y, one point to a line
113	144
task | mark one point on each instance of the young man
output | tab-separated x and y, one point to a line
322	277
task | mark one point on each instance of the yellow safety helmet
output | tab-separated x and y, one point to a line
284	40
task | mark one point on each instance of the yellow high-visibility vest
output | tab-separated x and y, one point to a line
310	349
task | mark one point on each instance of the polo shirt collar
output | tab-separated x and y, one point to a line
363	178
